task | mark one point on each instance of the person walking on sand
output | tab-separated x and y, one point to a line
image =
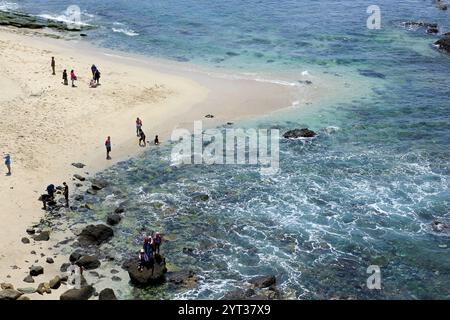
156	140
65	82
53	65
73	77
8	164
138	126
97	77
66	193
93	70
142	138
108	147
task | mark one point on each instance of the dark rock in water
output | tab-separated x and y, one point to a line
98	184
91	191
49	260
185	278
55	283
88	262
43	236
83	35
308	82
420	24
78	165
64	267
107	294
28	279
75	256
299	133
119	210
232	54
25	240
200	197
440	227
78	294
10	294
263	281
432	30
371	74
95	234
444	43
152	274
36	270
116	278
239	294
79	197
79	177
113	219
209	116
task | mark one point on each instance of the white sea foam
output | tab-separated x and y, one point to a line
8	6
62	18
126	31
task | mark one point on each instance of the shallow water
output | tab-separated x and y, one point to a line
363	192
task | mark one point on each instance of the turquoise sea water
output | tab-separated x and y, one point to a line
364	192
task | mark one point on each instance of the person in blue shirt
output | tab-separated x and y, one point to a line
8	164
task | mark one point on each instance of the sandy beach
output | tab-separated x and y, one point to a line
46	126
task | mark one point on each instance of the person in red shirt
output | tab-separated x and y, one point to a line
73	77
108	147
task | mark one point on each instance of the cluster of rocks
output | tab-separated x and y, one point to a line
441	227
22	20
258	288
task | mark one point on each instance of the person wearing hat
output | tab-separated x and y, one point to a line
143	260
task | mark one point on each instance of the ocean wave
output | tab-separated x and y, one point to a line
128	32
63	18
8	6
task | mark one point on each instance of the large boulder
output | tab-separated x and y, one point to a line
88	262
299	133
78	294
95	234
55	283
107	294
263	281
10	294
152	274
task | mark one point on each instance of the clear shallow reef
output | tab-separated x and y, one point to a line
363	192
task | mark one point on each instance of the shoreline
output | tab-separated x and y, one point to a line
57	127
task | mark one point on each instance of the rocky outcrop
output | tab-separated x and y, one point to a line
78	294
440	227
95	234
152	274
261	288
444	43
107	294
299	133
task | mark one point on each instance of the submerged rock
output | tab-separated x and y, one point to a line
299	133
185	278
444	43
113	219
98	184
200	197
440	227
263	281
95	234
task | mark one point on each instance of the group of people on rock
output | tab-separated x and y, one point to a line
49	198
149	249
